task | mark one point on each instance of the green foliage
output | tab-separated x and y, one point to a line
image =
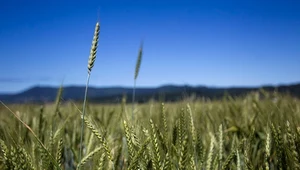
244	133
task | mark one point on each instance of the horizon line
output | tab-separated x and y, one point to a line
157	86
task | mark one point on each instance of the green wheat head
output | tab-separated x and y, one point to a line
138	62
93	51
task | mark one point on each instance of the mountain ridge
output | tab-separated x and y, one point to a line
113	93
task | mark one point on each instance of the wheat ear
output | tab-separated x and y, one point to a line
91	62
93	51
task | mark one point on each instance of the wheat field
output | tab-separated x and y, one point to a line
242	133
257	131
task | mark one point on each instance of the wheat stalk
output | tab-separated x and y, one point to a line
221	144
136	73
91	62
267	150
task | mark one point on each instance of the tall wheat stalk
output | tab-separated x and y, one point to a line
136	73
91	62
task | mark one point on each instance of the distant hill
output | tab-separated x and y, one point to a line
114	94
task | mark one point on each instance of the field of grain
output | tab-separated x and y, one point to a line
243	133
257	131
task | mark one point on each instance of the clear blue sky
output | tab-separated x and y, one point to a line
213	42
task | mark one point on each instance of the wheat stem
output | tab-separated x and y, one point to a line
91	62
136	73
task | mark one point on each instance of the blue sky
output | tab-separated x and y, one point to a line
213	43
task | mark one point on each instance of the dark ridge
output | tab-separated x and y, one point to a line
40	94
